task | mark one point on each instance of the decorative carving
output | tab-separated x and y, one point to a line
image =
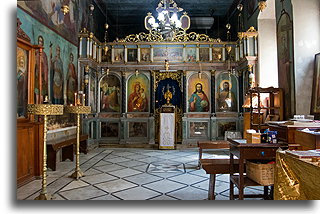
181	36
20	33
45	109
78	109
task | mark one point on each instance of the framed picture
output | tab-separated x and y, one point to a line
315	101
198	129
118	55
132	55
22	82
226	93
145	54
173	54
191	55
204	54
216	54
138	129
110	94
198	93
138	93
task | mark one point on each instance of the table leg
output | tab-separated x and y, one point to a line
231	192
212	183
241	178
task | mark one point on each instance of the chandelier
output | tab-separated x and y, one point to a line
168	22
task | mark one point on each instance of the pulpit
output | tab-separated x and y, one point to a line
167	127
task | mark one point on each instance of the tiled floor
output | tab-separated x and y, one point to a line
133	174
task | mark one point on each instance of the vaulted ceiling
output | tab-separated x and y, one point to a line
127	16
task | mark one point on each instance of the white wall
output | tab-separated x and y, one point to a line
306	34
267	47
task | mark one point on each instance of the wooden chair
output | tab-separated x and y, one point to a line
211	145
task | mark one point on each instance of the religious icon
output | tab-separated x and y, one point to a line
191	54
110	94
41	63
118	55
226	98
145	54
204	54
109	129
56	77
198	92
138	129
22	82
132	55
72	81
138	93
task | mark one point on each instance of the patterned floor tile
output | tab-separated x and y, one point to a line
137	157
190	193
137	193
163	198
131	163
109	168
143	178
92	171
74	185
200	172
102	163
115	185
94	179
142	168
164	186
166	166
105	198
187	179
124	172
82	193
117	160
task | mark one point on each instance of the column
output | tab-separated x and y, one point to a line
151	53
210	53
112	54
197	53
125	54
138	53
213	91
123	97
184	91
80	47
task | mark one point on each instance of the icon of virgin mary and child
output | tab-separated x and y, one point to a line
137	101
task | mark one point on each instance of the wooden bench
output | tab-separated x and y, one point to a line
217	166
66	144
222	144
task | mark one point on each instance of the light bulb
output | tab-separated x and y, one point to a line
174	17
161	17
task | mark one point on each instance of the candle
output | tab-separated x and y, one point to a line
75	99
84	99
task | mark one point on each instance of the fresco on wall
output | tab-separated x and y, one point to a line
138	93
41	64
285	64
55	61
226	89
50	14
198	93
22	82
138	129
110	94
173	87
72	81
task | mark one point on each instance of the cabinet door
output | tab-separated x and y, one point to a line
25	154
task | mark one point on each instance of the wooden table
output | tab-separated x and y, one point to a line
244	151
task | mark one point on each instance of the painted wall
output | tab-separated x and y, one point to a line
306	30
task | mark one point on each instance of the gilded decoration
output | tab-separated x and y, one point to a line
78	109
155	36
45	109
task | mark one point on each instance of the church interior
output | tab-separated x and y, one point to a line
168	100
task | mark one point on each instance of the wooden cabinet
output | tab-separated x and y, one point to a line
29	133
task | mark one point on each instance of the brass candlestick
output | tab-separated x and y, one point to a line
44	109
78	110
